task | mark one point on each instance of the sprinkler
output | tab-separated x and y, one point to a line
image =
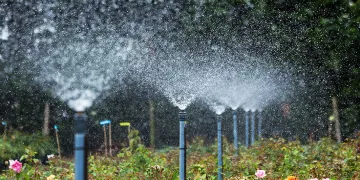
235	133
182	145
80	146
259	124
252	127
219	148
246	128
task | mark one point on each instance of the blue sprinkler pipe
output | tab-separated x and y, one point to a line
252	127
246	128
182	146
80	146
220	163
235	133
259	124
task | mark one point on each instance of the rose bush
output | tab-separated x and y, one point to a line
279	159
15	165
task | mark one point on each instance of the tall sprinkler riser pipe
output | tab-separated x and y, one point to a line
259	124
182	146
80	146
246	129
219	135
252	127
235	132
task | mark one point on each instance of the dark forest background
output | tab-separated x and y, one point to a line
315	42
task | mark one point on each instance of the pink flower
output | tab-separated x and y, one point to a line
260	173
15	165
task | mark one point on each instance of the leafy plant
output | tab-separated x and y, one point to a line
280	160
17	143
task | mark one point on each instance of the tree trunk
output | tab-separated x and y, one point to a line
46	119
152	124
336	118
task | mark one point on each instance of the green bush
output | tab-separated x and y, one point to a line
280	159
16	143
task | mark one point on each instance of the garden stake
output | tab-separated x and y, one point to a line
128	125
105	141
129	134
110	149
57	140
5	125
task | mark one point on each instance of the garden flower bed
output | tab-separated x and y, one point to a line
271	159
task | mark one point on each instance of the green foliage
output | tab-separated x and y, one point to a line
16	144
5	148
321	159
29	170
280	159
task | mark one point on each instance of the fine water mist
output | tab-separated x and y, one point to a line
78	70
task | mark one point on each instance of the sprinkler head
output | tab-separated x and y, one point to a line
80	122
182	115
218	117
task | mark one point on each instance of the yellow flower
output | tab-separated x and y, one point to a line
292	178
51	177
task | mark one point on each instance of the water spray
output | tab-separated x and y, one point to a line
220	163
252	127
246	128
182	145
235	133
80	146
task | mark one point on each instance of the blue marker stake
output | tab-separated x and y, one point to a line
104	122
4	123
219	148
80	146
56	128
182	146
57	139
